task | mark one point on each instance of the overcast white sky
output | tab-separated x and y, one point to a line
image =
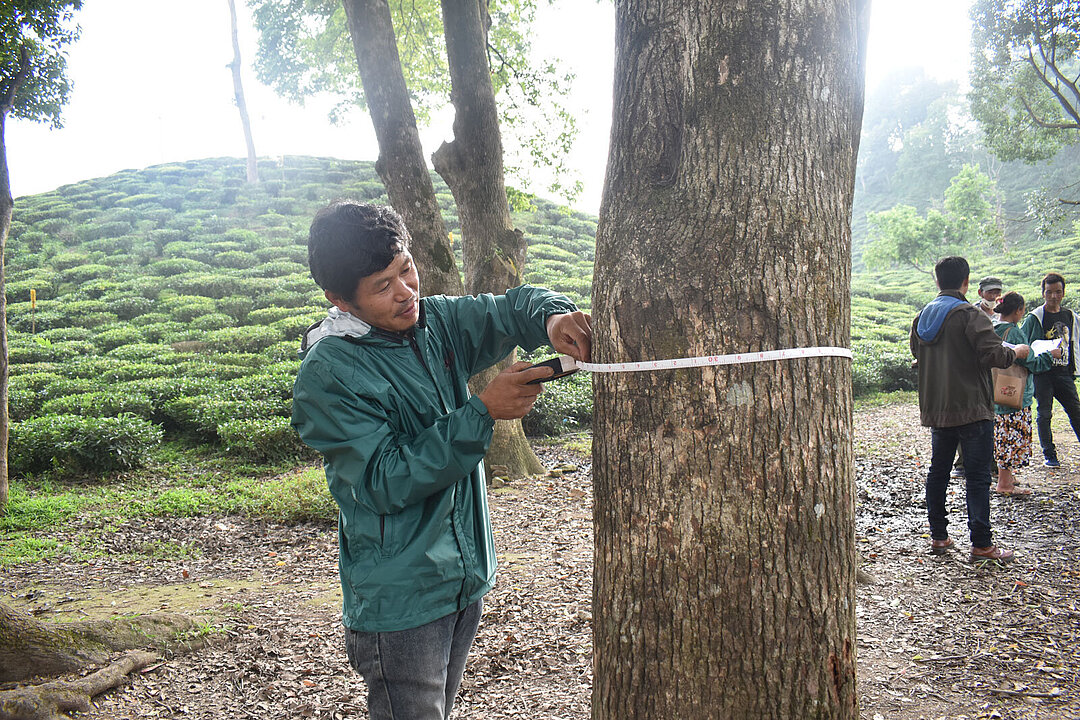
152	86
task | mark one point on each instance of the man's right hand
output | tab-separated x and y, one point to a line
1022	351
509	396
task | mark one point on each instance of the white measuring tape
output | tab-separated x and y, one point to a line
565	365
706	360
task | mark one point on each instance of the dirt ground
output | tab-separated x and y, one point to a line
938	636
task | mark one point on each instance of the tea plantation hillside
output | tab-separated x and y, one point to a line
170	302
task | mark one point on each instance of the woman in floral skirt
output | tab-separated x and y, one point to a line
1012	427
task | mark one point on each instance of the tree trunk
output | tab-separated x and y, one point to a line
7	203
724	497
401	163
472	165
241	104
29	647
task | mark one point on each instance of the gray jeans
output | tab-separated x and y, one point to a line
414	674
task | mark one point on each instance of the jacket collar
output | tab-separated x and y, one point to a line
339	323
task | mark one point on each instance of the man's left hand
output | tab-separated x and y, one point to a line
571	334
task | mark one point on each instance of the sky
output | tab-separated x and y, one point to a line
152	86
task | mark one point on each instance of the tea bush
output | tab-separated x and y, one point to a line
101	403
263	439
76	444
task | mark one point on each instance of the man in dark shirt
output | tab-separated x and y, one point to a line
1051	321
955	346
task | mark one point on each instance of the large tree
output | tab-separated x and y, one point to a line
724	497
1025	75
34	35
304	32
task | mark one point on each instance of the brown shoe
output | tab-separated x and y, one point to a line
991	553
940	547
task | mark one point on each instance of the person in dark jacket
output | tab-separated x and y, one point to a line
382	393
955	346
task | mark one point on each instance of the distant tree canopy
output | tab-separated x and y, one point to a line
1024	76
967	220
33	37
304	49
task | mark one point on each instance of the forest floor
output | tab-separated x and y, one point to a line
938	637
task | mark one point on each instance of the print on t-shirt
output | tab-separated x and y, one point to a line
1059	328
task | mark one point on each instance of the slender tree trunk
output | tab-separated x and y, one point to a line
401	163
7	203
241	104
724	511
472	165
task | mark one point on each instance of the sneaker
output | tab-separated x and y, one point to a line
991	553
1051	462
957	473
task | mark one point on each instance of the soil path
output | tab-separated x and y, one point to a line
938	637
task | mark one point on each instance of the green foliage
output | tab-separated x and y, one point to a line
34	36
1023	76
74	444
262	439
103	403
901	236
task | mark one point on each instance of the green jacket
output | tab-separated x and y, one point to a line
402	444
1010	332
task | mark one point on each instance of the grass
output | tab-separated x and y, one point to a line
883	399
177	484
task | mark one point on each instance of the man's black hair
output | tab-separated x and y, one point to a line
1050	279
951	272
350	240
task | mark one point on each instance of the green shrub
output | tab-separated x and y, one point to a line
177	266
140	351
129	307
115	337
236	259
250	338
212	321
74	444
101	403
878	368
262	439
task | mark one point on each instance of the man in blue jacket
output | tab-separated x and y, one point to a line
955	346
382	393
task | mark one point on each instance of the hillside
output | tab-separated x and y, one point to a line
175	296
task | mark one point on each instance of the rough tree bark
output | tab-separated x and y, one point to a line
472	165
241	103
724	512
401	164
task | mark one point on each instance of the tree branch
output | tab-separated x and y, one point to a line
1062	100
1069	107
1042	123
7	101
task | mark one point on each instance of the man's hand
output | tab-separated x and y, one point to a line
571	334
1057	352
509	396
1022	351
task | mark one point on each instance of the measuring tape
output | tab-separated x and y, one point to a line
736	359
565	365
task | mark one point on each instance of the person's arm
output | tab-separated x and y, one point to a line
987	344
488	327
1034	363
1032	329
913	338
384	470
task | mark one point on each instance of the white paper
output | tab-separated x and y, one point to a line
1038	347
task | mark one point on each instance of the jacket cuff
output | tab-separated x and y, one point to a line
481	409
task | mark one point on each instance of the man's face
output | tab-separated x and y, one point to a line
1053	294
990	296
388	299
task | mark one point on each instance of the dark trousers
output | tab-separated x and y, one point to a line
1048	387
977	441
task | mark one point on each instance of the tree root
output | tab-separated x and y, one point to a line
50	700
